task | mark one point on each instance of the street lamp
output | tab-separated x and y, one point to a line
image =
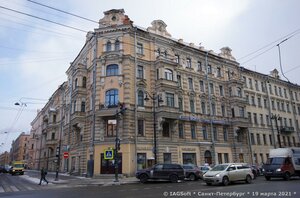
277	117
154	98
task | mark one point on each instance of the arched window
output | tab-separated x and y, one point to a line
141	98
84	82
168	74
117	45
112	98
108	46
112	70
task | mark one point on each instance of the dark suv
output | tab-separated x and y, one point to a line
171	172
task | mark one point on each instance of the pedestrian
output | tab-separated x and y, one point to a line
43	176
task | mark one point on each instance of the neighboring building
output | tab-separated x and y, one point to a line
273	111
4	158
18	148
197	112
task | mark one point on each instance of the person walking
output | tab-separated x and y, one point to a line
43	176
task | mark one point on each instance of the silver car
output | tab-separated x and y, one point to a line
229	172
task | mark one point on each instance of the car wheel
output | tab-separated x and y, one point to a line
248	179
144	178
209	184
173	178
192	177
225	181
287	176
268	178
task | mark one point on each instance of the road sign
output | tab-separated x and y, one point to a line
108	154
66	155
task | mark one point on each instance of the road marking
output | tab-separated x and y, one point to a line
14	188
1	189
29	188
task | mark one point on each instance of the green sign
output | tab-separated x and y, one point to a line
109	154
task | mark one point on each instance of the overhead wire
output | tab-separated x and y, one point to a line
59	10
40	18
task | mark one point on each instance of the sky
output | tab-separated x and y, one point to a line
35	54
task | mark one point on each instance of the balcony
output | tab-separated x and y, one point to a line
51	142
166	83
168	112
105	110
287	129
240	122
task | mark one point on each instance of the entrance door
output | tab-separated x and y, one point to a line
207	157
108	166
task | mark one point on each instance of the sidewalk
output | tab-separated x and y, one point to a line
68	180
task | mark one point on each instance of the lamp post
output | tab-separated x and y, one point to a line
277	117
154	98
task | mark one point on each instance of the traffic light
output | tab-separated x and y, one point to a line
122	108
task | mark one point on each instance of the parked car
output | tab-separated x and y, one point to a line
192	172
2	169
171	172
229	172
204	169
7	168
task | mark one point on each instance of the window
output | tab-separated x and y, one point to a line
211	86
226	158
177	58
215	133
82	106
141	161
189	63
108	46
117	45
223	110
204	133
252	139
112	98
112	70
170	99
284	91
193	131
262	87
253	100
249	117
199	65
271	139
250	83
180	130
141	127
225	133
201	86
192	105
220	158
239	92
258	139
166	129
74	106
280	92
213	109
191	87
111	128
168	74
221	90
140	72
76	83
84	82
54	118
259	102
219	72
261	119
265	103
141	98
203	107
242	112
255	118
264	139
180	104
256	85
179	80
209	69
167	158
140	49
275	89
52	137
270	89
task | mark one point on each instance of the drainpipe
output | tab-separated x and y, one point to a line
211	115
135	99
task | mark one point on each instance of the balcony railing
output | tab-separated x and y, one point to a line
287	129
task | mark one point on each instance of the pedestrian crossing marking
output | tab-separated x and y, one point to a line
13	188
1	189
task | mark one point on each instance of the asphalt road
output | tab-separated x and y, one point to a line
259	188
